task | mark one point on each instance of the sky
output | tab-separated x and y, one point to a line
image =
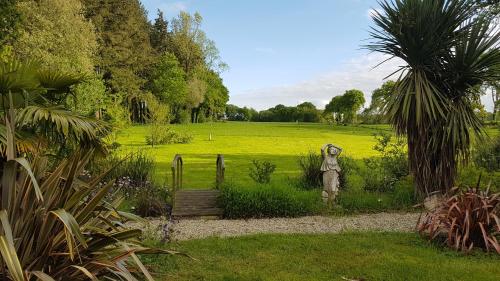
290	51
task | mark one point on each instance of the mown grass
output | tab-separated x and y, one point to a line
241	142
363	256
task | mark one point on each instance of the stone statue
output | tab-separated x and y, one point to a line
331	172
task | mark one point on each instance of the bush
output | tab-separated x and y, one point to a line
165	135
310	166
261	172
63	229
381	174
468	176
151	202
347	166
267	201
466	220
487	155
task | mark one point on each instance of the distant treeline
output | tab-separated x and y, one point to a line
304	112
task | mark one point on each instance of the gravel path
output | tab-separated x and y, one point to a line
202	228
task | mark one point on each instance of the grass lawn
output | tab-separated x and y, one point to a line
372	256
241	142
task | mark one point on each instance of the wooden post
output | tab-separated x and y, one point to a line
221	168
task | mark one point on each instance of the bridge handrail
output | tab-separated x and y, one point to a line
177	168
221	168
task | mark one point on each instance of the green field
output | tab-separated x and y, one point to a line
371	256
241	142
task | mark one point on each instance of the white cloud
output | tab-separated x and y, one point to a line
358	73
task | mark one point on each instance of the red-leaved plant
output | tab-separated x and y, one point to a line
467	219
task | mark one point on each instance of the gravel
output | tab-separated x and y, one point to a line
187	229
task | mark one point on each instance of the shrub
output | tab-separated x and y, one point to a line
381	174
61	228
268	201
151	202
466	220
165	135
261	172
487	155
310	166
468	177
347	166
356	199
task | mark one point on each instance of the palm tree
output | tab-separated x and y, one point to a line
450	50
34	97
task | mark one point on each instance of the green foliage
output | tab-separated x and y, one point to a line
357	200
469	175
9	23
311	175
54	212
261	171
235	113
435	96
56	33
375	114
487	155
268	201
305	112
125	52
165	135
150	201
169	82
41	122
345	107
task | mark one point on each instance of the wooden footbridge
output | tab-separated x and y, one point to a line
195	202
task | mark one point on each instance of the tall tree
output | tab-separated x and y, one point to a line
345	107
125	52
168	83
57	34
449	52
9	22
159	35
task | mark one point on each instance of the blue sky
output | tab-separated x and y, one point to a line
288	51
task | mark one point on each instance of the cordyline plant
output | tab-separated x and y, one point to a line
449	49
53	225
468	219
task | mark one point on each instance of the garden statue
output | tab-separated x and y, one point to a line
331	172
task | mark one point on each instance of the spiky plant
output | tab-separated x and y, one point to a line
466	220
53	225
450	51
37	96
58	227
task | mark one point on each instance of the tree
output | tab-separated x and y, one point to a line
335	107
307	112
159	36
125	54
380	97
38	94
344	108
39	37
184	41
216	96
57	34
169	82
9	22
449	52
352	102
